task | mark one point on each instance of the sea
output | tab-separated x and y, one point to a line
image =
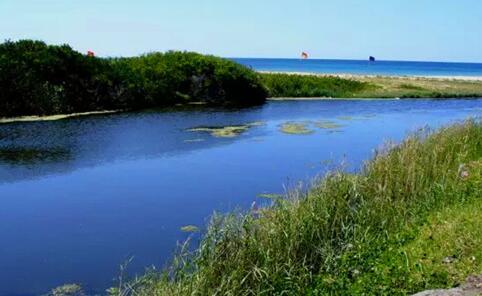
363	67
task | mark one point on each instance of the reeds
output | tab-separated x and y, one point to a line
331	239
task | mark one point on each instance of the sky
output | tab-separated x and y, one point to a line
426	30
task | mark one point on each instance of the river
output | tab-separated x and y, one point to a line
79	196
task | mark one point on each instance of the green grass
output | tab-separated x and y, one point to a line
293	85
382	231
411	87
309	86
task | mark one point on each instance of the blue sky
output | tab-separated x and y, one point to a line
437	30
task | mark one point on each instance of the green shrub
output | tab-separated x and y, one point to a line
293	85
36	78
161	79
41	79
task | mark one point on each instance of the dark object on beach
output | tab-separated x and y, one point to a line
371	59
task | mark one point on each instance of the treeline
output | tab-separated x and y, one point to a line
41	79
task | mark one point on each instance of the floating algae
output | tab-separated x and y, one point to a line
190	228
296	128
270	195
229	131
327	125
54	117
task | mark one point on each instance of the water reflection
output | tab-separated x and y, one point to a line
32	156
36	149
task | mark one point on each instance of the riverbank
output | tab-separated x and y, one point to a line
308	85
409	221
55	117
355	76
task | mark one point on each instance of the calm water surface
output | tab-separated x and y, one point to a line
79	196
391	68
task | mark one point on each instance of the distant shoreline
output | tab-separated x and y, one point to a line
354	76
381	87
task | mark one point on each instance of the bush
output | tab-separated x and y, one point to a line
41	79
160	79
294	85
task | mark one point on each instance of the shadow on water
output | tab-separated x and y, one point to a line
36	149
32	156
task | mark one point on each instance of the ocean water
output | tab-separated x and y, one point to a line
80	196
390	68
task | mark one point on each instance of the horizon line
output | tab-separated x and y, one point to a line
361	60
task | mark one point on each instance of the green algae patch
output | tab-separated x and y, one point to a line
54	117
190	228
270	195
67	290
229	131
296	128
327	125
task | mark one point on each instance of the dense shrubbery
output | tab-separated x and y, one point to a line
177	77
352	234
40	79
294	85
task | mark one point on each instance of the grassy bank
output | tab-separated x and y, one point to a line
305	86
410	220
418	87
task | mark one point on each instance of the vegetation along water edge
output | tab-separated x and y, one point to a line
409	220
37	79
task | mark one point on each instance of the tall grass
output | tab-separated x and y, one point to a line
332	239
294	85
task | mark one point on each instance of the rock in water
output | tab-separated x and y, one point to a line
473	287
